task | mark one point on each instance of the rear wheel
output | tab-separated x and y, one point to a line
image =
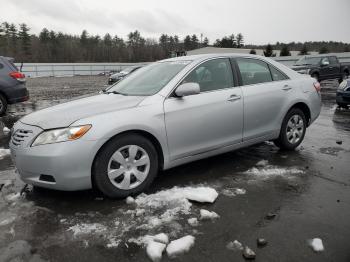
3	105
292	131
127	165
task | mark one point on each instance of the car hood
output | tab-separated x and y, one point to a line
65	114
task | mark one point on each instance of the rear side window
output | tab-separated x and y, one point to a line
277	75
333	60
253	71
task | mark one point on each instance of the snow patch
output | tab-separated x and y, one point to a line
207	215
113	242
13	197
130	200
234	245
316	244
231	192
7	220
262	163
193	221
155	250
6	130
180	246
85	229
269	171
4	152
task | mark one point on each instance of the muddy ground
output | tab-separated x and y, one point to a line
306	192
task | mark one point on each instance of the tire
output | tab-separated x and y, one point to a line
342	105
3	105
293	123
123	181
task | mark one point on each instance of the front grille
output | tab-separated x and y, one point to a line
20	136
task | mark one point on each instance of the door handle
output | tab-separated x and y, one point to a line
286	88
234	98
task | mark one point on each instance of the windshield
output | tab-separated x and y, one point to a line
308	61
148	80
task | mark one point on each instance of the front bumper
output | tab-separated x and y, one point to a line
343	97
68	163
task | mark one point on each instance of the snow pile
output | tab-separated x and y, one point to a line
130	200
262	163
13	197
86	229
155	250
207	215
180	246
6	130
193	221
4	152
5	220
231	192
269	171
235	245
316	244
113	242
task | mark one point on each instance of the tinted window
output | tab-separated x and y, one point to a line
253	71
277	75
1	66
212	75
333	60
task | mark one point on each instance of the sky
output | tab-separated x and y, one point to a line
260	21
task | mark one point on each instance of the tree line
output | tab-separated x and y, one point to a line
49	46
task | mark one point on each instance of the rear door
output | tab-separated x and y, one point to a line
334	66
265	91
326	71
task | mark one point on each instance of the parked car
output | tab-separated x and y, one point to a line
12	84
343	94
166	114
119	76
323	67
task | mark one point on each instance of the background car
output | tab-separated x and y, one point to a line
119	76
343	94
323	67
12	84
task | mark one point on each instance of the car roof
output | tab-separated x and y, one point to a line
208	56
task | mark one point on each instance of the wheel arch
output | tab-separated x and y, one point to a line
303	107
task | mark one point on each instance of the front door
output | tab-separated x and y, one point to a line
209	120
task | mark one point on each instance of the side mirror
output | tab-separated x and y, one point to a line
187	89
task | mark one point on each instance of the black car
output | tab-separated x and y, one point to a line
322	67
343	93
119	76
12	84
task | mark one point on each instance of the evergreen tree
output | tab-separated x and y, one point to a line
304	50
187	43
323	50
205	42
252	52
268	51
285	51
240	40
25	43
194	42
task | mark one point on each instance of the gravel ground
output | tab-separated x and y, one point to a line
287	198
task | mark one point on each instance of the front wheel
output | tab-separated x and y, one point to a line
127	165
292	130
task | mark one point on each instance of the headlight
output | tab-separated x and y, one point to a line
61	135
343	85
304	71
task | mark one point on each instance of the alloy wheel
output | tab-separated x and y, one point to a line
295	129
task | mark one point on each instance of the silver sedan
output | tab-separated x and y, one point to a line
165	114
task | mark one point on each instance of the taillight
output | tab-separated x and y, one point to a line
18	76
317	86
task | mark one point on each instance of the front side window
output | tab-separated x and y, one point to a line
324	60
333	60
212	75
253	71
